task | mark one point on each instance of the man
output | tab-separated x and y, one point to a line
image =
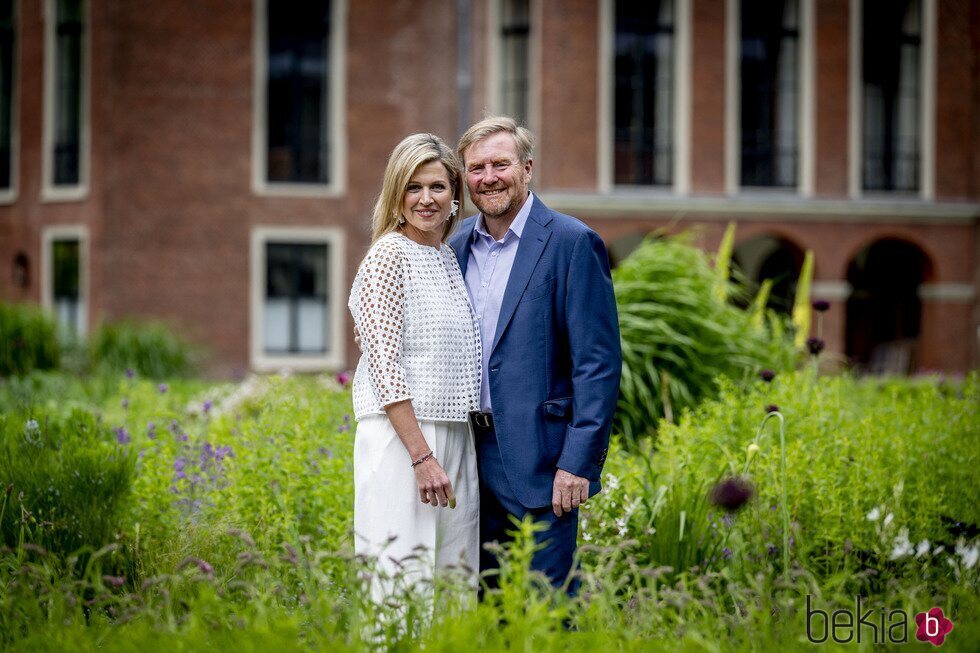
540	287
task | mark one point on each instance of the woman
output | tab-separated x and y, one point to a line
416	491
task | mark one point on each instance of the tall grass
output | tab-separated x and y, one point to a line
152	350
680	334
28	340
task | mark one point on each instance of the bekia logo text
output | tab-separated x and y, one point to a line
879	627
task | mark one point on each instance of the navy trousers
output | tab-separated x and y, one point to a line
498	504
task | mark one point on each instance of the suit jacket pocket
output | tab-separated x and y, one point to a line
559	407
539	291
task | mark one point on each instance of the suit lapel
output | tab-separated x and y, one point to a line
533	240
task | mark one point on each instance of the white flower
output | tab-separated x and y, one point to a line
939	549
621	525
902	547
612	482
874	514
31	425
968	554
888	519
922	549
586	536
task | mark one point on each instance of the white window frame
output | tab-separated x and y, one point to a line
927	98
733	116
337	120
66	232
682	104
50	192
334	238
9	195
495	53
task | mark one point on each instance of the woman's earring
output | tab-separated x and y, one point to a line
401	219
453	211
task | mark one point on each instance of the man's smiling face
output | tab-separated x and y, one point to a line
495	176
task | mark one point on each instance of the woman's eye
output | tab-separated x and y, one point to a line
413	188
438	187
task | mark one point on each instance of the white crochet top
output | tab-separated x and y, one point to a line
419	337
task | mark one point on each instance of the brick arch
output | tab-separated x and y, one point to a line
891	233
787	255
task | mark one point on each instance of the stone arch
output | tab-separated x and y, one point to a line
771	256
884	312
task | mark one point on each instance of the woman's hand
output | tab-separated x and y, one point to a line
434	485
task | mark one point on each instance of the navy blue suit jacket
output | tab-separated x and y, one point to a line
555	366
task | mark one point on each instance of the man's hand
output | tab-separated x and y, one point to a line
570	491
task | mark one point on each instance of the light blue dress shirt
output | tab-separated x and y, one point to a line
487	273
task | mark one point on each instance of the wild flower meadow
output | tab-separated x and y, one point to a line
152	514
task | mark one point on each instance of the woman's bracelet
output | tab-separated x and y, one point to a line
423	459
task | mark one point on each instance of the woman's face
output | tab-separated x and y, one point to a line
426	203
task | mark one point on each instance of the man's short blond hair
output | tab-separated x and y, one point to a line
494	125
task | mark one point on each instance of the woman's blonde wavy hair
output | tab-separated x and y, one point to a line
405	159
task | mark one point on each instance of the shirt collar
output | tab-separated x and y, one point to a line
516	227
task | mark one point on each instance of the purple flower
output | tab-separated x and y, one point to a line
114	581
732	493
130	373
726	553
205	568
223	452
815	345
179	464
343	427
728	519
346	418
174	427
122	435
343	378
162	388
181	437
772	408
771	549
767	375
151	431
208	405
820	305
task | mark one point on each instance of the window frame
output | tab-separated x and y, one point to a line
50	191
681	173
806	164
495	61
927	103
49	235
335	128
334	238
9	195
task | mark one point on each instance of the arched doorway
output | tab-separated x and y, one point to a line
884	312
771	257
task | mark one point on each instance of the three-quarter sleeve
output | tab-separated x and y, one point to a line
380	319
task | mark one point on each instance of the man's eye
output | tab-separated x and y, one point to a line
475	169
501	165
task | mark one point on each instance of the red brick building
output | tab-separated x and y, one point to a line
213	163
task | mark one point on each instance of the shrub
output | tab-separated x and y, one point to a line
680	334
66	480
28	340
150	349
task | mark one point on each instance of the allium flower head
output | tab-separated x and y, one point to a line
343	378
772	408
162	388
767	375
820	305
130	373
208	405
122	435
732	493
815	345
